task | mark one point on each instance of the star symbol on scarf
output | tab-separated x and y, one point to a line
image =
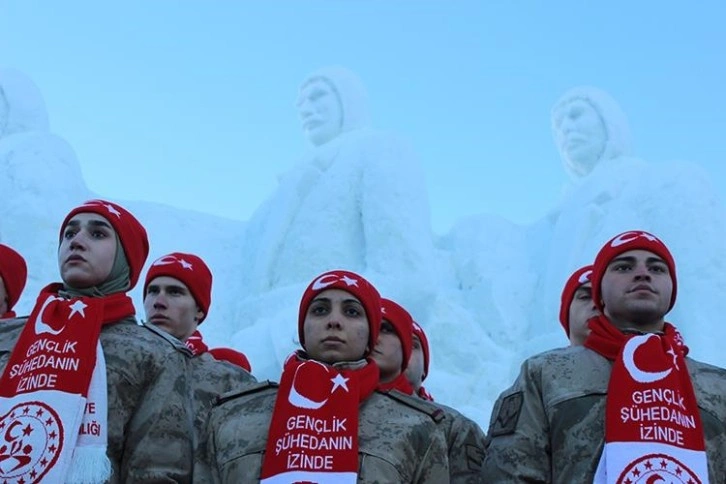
349	281
112	209
185	264
77	307
339	381
673	354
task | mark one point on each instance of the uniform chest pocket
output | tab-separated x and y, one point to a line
376	466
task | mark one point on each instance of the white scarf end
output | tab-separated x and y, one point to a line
90	465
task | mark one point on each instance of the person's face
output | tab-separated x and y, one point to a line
320	112
636	290
415	369
87	250
582	309
3	297
581	135
170	306
388	353
336	327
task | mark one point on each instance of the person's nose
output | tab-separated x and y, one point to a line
160	302
334	322
305	109
640	272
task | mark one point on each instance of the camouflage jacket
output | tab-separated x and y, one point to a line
466	444
150	421
209	378
398	438
549	427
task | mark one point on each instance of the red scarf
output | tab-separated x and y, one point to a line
652	423
8	315
313	435
195	344
423	393
399	383
44	389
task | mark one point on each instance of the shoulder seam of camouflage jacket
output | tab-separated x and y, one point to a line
245	391
178	345
430	409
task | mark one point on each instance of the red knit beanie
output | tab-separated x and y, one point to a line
189	269
631	240
131	233
14	273
578	278
403	324
419	332
349	282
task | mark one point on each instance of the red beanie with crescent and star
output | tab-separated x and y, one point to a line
14	273
631	240
403	324
578	278
419	332
355	285
189	269
131	233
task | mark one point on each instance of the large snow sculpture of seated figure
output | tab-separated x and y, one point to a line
612	192
357	199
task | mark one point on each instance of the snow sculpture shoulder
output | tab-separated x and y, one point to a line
40	180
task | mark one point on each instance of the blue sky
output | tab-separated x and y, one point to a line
191	103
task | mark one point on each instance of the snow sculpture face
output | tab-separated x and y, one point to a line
320	110
581	135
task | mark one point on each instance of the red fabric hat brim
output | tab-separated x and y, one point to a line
403	324
131	233
419	332
621	243
189	269
578	278
355	285
14	272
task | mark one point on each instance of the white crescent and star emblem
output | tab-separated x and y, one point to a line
584	277
324	281
639	375
339	382
42	327
77	308
296	399
170	259
626	237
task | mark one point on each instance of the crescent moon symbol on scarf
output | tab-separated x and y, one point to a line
42	327
300	401
629	361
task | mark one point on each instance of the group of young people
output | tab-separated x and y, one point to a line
89	395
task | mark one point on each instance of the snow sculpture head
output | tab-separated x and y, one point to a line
21	105
589	127
332	100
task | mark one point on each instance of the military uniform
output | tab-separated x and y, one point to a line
150	416
209	378
466	442
398	438
549	427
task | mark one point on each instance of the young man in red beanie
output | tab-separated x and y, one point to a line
326	422
13	276
464	437
577	306
628	405
177	297
86	393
